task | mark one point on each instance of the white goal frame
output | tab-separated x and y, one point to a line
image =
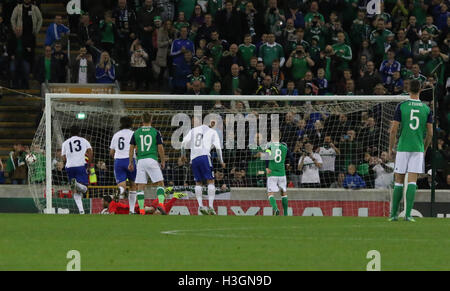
49	97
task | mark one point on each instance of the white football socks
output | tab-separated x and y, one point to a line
79	202
198	194
211	194
132	200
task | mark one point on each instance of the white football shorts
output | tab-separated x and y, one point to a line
409	162
275	184
148	167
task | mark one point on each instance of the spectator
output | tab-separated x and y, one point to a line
378	38
247	50
416	75
2	173
145	19
274	18
26	22
397	86
277	75
181	21
321	82
403	47
271	51
310	163
328	152
229	58
388	67
234	80
83	68
108	32
88	35
186	6
62	59
48	68
163	43
290	89
196	76
293	12
339	182
56	31
204	31
267	87
231	23
182	69
239	178
197	17
350	150
365	170
436	65
105	72
16	167
126	28
138	64
254	19
384	171
352	179
368	135
299	62
180	46
422	48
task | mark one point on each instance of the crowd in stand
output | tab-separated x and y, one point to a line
262	47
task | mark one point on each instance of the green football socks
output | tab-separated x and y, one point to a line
160	193
396	198
410	194
273	203
284	202
140	199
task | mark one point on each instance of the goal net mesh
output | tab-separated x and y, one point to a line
329	141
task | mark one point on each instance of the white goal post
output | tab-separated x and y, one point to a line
51	97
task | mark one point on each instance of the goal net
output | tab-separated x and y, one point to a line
336	142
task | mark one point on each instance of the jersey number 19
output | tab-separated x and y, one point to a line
146	142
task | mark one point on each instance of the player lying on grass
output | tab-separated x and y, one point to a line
111	206
414	120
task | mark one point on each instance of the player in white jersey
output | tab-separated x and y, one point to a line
119	150
73	151
200	140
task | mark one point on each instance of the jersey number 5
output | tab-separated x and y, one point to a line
415	119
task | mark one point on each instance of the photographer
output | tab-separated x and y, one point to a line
328	152
299	62
310	163
274	18
138	63
83	69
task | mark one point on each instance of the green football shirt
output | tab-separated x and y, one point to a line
278	153
413	116
146	139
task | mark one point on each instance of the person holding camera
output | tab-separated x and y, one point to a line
328	152
299	62
138	63
310	162
83	69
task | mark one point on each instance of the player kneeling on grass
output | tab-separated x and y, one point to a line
111	206
276	154
413	118
119	150
147	144
73	152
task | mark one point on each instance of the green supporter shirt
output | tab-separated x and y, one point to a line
270	52
48	69
186	6
413	116
37	169
146	139
344	52
299	67
247	52
277	158
107	36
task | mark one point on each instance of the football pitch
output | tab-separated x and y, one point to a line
221	243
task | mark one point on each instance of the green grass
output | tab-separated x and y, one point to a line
122	242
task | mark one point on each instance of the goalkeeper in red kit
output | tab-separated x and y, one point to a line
112	206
